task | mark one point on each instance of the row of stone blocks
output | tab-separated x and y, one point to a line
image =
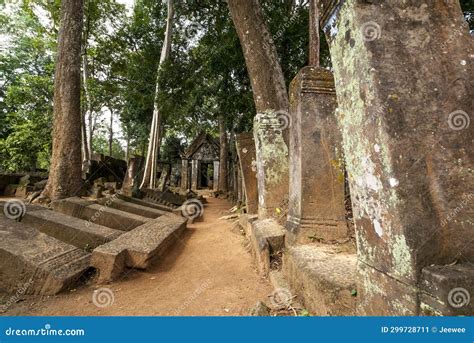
330	281
48	251
323	279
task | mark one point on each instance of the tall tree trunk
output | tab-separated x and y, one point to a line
149	176
266	75
65	173
224	153
111	131
313	34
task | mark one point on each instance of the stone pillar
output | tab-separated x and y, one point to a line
194	174
402	71
133	176
316	203
164	177
245	144
215	182
272	161
184	175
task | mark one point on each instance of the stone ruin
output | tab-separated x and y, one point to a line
44	251
396	122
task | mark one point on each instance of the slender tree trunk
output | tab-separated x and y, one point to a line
88	116
313	34
111	132
84	145
149	177
127	151
224	152
266	75
65	178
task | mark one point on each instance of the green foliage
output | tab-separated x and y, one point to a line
100	145
26	92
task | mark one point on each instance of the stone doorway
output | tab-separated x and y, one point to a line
206	175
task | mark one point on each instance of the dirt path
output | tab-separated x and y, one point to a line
209	273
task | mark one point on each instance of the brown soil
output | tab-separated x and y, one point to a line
209	272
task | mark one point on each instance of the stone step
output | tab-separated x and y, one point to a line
78	232
131	207
32	262
137	248
266	237
99	214
323	278
145	203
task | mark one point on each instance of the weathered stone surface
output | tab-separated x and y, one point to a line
35	262
130	207
407	141
245	144
133	176
194	174
267	237
98	214
448	290
245	221
145	203
324	278
379	293
164	177
272	161
185	175
167	197
316	203
78	232
138	247
215	179
100	166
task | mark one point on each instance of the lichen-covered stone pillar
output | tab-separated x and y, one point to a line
215	182
316	203
402	71
245	145
184	175
272	161
194	174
